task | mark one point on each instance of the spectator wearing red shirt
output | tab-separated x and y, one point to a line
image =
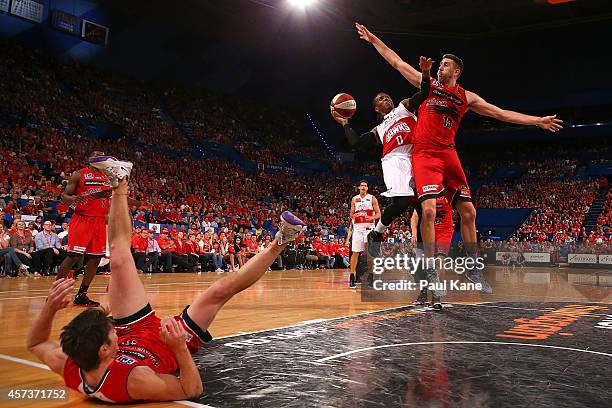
252	246
193	255
29	208
323	253
342	251
205	252
140	242
183	249
169	252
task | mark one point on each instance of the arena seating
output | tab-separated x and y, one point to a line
217	162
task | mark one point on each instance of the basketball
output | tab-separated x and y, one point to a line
344	104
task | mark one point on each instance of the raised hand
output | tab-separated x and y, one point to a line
551	123
425	64
364	33
337	117
172	333
58	293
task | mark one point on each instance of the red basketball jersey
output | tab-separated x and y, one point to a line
363	208
135	349
440	115
91	182
395	131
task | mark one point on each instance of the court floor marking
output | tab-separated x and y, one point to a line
348	353
24	362
152	292
314	321
152	285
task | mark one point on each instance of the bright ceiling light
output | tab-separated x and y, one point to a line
301	3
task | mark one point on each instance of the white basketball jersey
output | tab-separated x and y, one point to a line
363	209
396	130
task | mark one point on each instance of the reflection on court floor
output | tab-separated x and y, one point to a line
491	354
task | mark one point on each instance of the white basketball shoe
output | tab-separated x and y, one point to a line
290	227
113	168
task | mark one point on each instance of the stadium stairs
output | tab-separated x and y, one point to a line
590	221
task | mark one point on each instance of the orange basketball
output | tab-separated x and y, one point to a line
344	104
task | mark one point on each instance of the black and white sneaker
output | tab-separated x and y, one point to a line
113	168
475	275
290	227
352	283
374	243
433	278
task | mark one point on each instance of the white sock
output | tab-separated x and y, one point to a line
380	227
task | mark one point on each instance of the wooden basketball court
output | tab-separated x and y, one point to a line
307	299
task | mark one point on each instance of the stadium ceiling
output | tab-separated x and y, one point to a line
475	19
459	19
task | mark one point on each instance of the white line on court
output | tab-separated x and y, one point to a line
25	362
322	360
307	322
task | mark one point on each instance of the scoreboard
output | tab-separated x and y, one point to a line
28	9
95	33
66	22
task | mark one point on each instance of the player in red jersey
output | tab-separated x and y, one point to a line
436	165
89	190
136	356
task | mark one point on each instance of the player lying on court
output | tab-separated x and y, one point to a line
135	356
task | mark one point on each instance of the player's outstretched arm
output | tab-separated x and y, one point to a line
352	136
482	107
408	71
38	343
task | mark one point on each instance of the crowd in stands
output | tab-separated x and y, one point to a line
44	138
604	222
560	200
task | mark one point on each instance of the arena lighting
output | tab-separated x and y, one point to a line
558	1
302	4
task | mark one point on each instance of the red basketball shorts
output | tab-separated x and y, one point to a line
438	172
87	235
143	326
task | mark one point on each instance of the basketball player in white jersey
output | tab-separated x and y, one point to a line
395	133
364	213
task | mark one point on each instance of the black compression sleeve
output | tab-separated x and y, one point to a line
418	98
352	136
